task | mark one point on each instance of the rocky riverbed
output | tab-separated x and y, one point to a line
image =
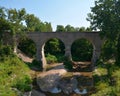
59	82
56	81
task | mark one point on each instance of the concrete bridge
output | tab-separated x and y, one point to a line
40	38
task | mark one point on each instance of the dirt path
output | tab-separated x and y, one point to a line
56	69
24	57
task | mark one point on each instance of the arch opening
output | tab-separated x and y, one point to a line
28	47
54	50
82	50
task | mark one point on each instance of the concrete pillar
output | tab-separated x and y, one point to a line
43	59
15	44
68	51
96	54
15	49
40	55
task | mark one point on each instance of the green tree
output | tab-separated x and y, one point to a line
60	28
33	23
69	28
82	29
11	20
4	26
48	27
108	50
105	16
88	29
77	29
16	19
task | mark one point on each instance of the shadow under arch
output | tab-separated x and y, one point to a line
54	50
82	49
27	46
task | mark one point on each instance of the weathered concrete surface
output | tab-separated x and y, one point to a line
40	38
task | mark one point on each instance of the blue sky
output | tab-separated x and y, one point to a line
58	12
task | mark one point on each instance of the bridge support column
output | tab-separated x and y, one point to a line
15	44
96	54
40	55
15	49
43	59
68	52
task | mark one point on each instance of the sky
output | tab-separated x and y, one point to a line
57	12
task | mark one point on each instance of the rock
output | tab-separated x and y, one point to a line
27	94
48	82
36	93
68	85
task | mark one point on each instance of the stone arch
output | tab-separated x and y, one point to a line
67	38
26	44
91	44
46	41
91	40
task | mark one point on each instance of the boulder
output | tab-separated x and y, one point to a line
48	82
68	85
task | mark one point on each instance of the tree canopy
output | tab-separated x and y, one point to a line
69	28
105	16
35	24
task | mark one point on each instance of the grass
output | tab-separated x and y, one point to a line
14	74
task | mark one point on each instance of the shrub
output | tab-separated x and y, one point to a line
36	64
6	91
23	84
51	58
60	58
108	91
102	85
5	50
107	84
13	73
67	64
